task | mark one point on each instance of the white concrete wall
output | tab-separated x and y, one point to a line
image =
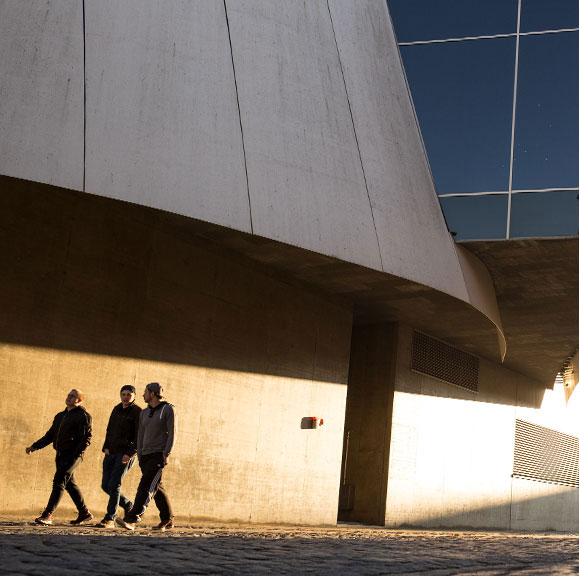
291	120
305	179
412	235
41	91
162	119
451	457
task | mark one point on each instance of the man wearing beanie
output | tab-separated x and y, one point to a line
157	433
120	448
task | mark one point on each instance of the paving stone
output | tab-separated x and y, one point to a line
28	549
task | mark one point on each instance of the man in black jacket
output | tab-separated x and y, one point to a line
70	434
120	448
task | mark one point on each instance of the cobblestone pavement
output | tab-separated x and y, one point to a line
231	549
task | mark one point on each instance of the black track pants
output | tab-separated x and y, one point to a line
151	487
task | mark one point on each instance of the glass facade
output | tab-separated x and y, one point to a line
546	153
424	20
476	216
495	84
537	15
464	96
537	214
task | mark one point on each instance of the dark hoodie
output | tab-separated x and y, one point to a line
70	433
121	437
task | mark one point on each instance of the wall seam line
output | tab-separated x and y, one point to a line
84	95
239	112
355	135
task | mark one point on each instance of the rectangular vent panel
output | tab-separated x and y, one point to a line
443	362
545	455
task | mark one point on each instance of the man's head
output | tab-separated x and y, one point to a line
128	393
153	393
74	399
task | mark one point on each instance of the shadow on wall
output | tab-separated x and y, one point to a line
534	506
508	389
494	383
84	273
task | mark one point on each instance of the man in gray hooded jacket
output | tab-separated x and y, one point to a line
157	433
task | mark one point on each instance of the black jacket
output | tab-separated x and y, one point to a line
71	432
122	430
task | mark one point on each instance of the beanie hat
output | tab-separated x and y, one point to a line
129	388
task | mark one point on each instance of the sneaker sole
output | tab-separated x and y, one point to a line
73	523
124	525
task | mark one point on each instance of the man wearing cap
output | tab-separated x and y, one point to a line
70	434
157	433
120	447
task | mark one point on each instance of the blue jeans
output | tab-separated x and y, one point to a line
113	473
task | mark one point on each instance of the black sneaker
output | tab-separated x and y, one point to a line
82	518
164	525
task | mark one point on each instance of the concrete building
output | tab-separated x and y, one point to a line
234	199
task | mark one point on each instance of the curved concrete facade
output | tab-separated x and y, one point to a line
213	194
288	120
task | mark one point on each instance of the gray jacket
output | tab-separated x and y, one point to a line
157	430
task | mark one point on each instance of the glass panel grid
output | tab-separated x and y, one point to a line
547	120
463	95
430	20
554	210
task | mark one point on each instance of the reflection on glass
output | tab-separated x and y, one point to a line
549	15
463	93
539	214
547	121
429	20
476	217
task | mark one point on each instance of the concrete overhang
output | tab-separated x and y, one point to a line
537	288
536	283
374	295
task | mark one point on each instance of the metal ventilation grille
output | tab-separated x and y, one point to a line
546	455
443	362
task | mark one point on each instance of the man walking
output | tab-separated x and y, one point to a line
157	433
120	448
70	434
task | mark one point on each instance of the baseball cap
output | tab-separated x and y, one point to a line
156	388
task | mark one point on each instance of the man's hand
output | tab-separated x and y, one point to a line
29	450
166	460
125	459
106	451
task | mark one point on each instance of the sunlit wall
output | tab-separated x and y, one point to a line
451	461
98	293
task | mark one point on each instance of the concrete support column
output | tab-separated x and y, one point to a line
368	424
